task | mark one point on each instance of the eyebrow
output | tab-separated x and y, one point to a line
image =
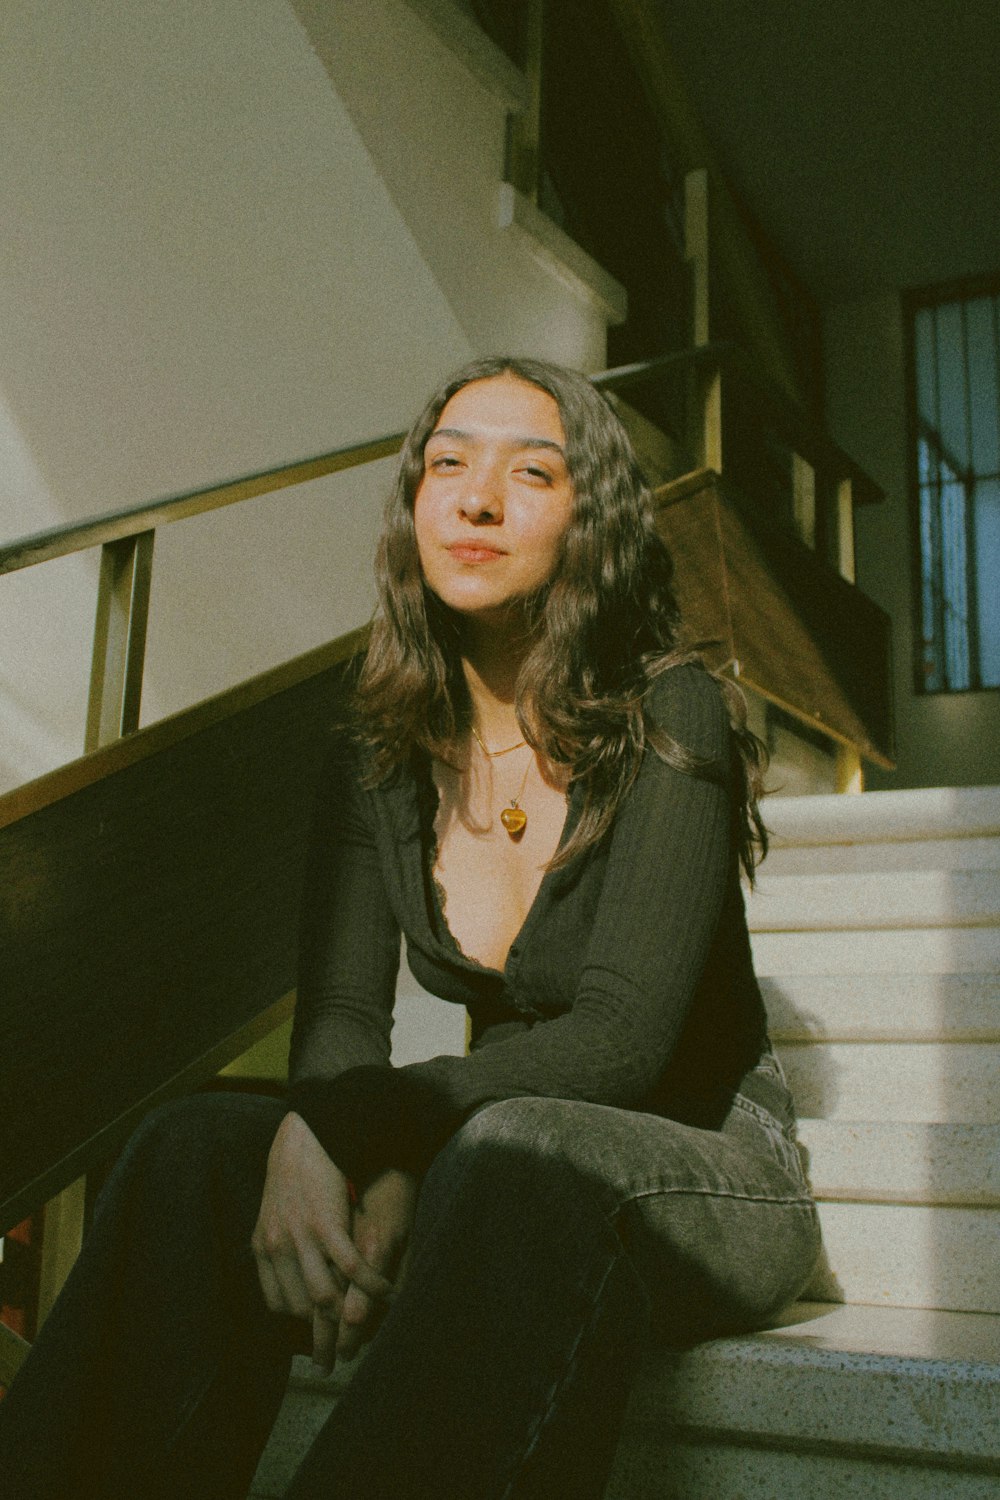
518	442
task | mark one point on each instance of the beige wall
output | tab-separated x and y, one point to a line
232	235
942	739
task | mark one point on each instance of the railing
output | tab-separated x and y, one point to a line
684	393
149	896
724	415
681	392
126	541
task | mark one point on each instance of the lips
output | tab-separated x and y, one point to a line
469	552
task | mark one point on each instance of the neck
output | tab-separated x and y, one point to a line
491	661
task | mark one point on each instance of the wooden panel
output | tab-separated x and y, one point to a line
802	635
149	913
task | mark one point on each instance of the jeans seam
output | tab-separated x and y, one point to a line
551	1396
190	1410
801	1200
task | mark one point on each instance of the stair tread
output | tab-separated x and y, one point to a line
973	853
889	1161
927	950
867	1378
909	1082
883	1007
874	900
909	1255
923	813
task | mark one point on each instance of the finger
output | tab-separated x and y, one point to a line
361	1313
324	1352
294	1292
348	1260
357	1322
270	1286
324	1283
402	1268
358	1307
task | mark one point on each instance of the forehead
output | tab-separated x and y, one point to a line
503	405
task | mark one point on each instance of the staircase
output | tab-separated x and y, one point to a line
876	929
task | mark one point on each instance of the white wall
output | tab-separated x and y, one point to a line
942	739
219	252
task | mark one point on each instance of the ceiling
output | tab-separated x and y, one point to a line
863	134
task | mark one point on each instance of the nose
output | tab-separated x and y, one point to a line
481	500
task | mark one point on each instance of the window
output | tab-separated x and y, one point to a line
955	352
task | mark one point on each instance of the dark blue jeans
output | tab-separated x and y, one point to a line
552	1239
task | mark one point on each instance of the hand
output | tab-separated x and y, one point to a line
382	1224
306	1255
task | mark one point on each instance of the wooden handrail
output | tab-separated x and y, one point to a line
60	541
132	521
795	426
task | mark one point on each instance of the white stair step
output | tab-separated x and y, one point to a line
902	899
887	1162
883	1007
874	817
911	854
911	1082
307	1404
902	1255
841	1403
929	950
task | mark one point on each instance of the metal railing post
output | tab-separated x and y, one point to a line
119	639
113	704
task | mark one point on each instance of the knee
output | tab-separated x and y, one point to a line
528	1126
187	1138
509	1155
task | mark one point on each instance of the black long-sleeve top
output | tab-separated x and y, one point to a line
630	983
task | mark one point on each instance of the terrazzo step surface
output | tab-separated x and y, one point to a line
928	950
893	1162
836	1402
918	1082
929	813
909	1255
898	899
840	1402
982	853
901	1007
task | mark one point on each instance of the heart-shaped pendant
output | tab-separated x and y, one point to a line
514	820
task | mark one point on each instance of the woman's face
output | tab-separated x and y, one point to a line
495	498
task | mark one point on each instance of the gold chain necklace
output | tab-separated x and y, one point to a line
494	753
513	816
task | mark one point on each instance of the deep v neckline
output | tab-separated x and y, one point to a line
430	801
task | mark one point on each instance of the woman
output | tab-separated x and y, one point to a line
551	801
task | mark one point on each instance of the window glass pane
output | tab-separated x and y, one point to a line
956	353
929	552
981	325
987	558
952	412
956	601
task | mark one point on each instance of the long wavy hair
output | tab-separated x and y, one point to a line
602	628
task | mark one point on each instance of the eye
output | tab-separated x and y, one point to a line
534	471
443	461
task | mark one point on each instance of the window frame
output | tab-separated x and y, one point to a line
966	289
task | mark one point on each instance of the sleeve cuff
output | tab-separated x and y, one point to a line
370	1118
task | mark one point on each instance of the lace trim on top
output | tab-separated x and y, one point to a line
435	893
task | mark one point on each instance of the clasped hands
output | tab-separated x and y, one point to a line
320	1257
